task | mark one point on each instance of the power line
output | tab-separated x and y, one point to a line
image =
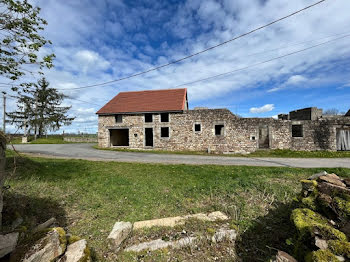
200	52
260	63
252	54
70	98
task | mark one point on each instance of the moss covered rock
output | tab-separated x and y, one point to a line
308	223
343	206
308	186
340	248
321	256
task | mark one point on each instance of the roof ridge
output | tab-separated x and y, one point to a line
153	90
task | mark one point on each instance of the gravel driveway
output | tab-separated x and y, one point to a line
86	151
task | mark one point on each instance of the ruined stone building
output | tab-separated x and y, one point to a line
161	119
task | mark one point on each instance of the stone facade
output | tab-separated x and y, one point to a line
218	130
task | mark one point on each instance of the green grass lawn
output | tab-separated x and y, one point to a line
259	153
89	197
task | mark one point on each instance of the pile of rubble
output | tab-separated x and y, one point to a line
50	244
322	219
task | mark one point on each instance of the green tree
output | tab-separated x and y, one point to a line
20	40
40	109
20	43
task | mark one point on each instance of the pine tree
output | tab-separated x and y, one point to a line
40	109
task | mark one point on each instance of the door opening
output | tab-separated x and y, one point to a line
149	137
264	138
119	137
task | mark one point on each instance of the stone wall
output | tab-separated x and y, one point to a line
240	135
80	139
310	113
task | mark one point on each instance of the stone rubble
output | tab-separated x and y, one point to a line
120	231
322	219
77	252
48	248
52	246
8	243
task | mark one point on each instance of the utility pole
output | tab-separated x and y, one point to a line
4	118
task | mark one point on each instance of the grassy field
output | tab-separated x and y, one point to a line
51	139
259	153
87	198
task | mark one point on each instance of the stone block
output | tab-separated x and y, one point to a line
8	243
333	179
179	220
120	231
224	234
159	244
329	189
77	252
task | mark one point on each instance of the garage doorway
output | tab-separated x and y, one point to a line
149	137
264	138
343	139
119	137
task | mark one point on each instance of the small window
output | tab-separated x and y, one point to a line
164	132
164	117
252	138
197	127
219	130
118	118
297	131
148	118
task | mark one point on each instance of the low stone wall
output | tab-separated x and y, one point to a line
80	139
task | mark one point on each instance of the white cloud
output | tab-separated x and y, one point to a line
262	109
98	41
296	79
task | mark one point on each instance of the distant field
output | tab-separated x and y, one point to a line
52	139
259	153
89	197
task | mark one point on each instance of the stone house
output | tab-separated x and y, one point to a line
161	119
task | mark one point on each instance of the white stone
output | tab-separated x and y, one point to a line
159	244
8	243
76	252
321	243
48	248
184	242
340	258
317	175
224	234
151	245
179	220
119	233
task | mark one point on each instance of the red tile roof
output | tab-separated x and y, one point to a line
146	101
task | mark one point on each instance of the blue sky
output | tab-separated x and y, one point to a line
98	41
